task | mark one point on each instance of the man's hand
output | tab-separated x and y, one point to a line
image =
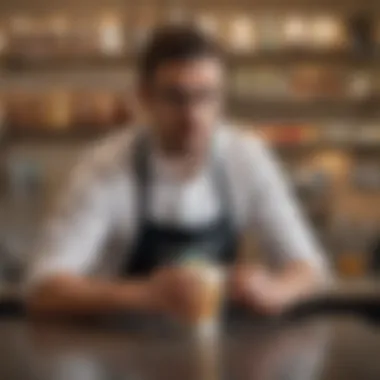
173	291
176	292
266	293
253	288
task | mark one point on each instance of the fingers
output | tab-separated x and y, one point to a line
180	292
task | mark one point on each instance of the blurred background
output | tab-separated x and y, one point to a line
304	73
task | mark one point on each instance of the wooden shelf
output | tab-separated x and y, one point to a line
18	63
280	57
88	134
76	135
260	110
356	148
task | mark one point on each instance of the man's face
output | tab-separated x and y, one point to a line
184	101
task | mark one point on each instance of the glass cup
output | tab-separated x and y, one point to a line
210	294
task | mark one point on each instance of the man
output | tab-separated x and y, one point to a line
181	187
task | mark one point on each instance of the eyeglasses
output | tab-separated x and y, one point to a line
180	97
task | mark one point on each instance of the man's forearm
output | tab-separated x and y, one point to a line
300	280
72	296
273	292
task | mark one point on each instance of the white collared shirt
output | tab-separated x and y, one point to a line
94	226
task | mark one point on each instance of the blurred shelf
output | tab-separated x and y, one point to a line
292	56
275	57
17	63
90	78
77	135
258	109
89	134
356	148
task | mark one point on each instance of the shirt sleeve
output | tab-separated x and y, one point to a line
279	225
73	235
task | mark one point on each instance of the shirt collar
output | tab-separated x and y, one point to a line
174	169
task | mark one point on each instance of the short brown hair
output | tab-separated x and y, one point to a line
176	43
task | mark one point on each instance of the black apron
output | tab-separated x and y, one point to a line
160	244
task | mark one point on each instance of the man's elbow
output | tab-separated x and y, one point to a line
311	276
318	277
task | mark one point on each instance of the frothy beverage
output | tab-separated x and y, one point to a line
210	294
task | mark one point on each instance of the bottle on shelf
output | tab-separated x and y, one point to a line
242	35
351	249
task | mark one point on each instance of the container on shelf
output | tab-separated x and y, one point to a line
327	32
111	36
270	36
317	81
360	85
362	32
20	25
242	34
366	176
296	31
368	135
93	109
338	134
312	179
25	110
287	134
59	25
310	134
145	19
57	110
208	22
83	40
176	14
351	247
265	82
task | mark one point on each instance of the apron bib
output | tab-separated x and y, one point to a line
160	244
